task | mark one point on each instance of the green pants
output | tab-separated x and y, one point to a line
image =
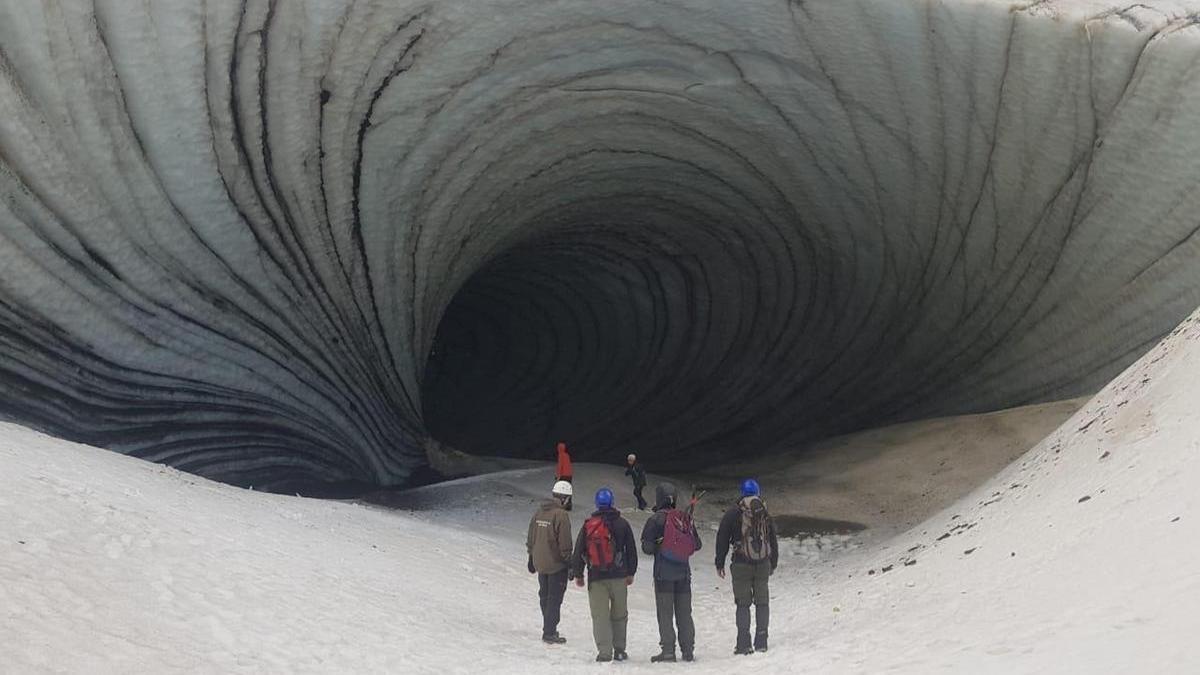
750	588
610	614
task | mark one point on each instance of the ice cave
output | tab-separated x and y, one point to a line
256	240
283	242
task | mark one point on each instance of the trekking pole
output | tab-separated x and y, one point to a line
694	500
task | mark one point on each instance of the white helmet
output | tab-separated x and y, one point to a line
631	458
563	488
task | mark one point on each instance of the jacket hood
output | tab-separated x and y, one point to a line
551	505
607	514
664	496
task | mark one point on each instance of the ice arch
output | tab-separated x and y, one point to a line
230	231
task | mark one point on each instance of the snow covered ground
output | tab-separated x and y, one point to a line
1078	557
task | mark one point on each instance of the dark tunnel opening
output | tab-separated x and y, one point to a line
603	337
658	329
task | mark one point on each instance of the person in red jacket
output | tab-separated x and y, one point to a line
564	471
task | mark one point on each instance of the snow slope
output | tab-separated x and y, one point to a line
1077	558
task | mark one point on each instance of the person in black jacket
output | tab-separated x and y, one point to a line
747	528
638	474
608	584
672	582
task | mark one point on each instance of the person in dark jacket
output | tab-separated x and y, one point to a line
549	545
752	564
672	582
638	474
608	585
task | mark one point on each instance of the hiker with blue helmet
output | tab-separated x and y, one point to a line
748	530
606	546
671	537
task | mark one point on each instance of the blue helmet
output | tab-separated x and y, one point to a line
750	488
604	498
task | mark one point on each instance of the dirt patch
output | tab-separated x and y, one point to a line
787	525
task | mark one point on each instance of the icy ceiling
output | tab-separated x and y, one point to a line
273	240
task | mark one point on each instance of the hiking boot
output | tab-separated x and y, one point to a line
553	639
620	655
760	641
689	657
665	657
743	650
603	658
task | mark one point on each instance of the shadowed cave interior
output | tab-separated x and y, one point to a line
664	324
676	310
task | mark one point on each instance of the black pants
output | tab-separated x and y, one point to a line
673	602
551	589
637	492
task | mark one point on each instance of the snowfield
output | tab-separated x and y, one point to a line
1079	557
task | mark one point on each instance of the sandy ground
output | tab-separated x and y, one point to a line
891	478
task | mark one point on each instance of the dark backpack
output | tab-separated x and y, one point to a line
678	544
756	540
599	540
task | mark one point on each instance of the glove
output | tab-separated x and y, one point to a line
579	581
721	572
628	581
530	567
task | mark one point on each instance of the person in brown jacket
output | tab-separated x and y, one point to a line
549	546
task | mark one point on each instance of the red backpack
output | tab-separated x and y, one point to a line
678	544
599	542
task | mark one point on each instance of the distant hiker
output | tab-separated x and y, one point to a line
549	546
607	547
749	530
671	537
564	471
638	474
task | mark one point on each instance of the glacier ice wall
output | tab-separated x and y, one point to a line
266	240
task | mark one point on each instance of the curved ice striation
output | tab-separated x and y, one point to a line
264	240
